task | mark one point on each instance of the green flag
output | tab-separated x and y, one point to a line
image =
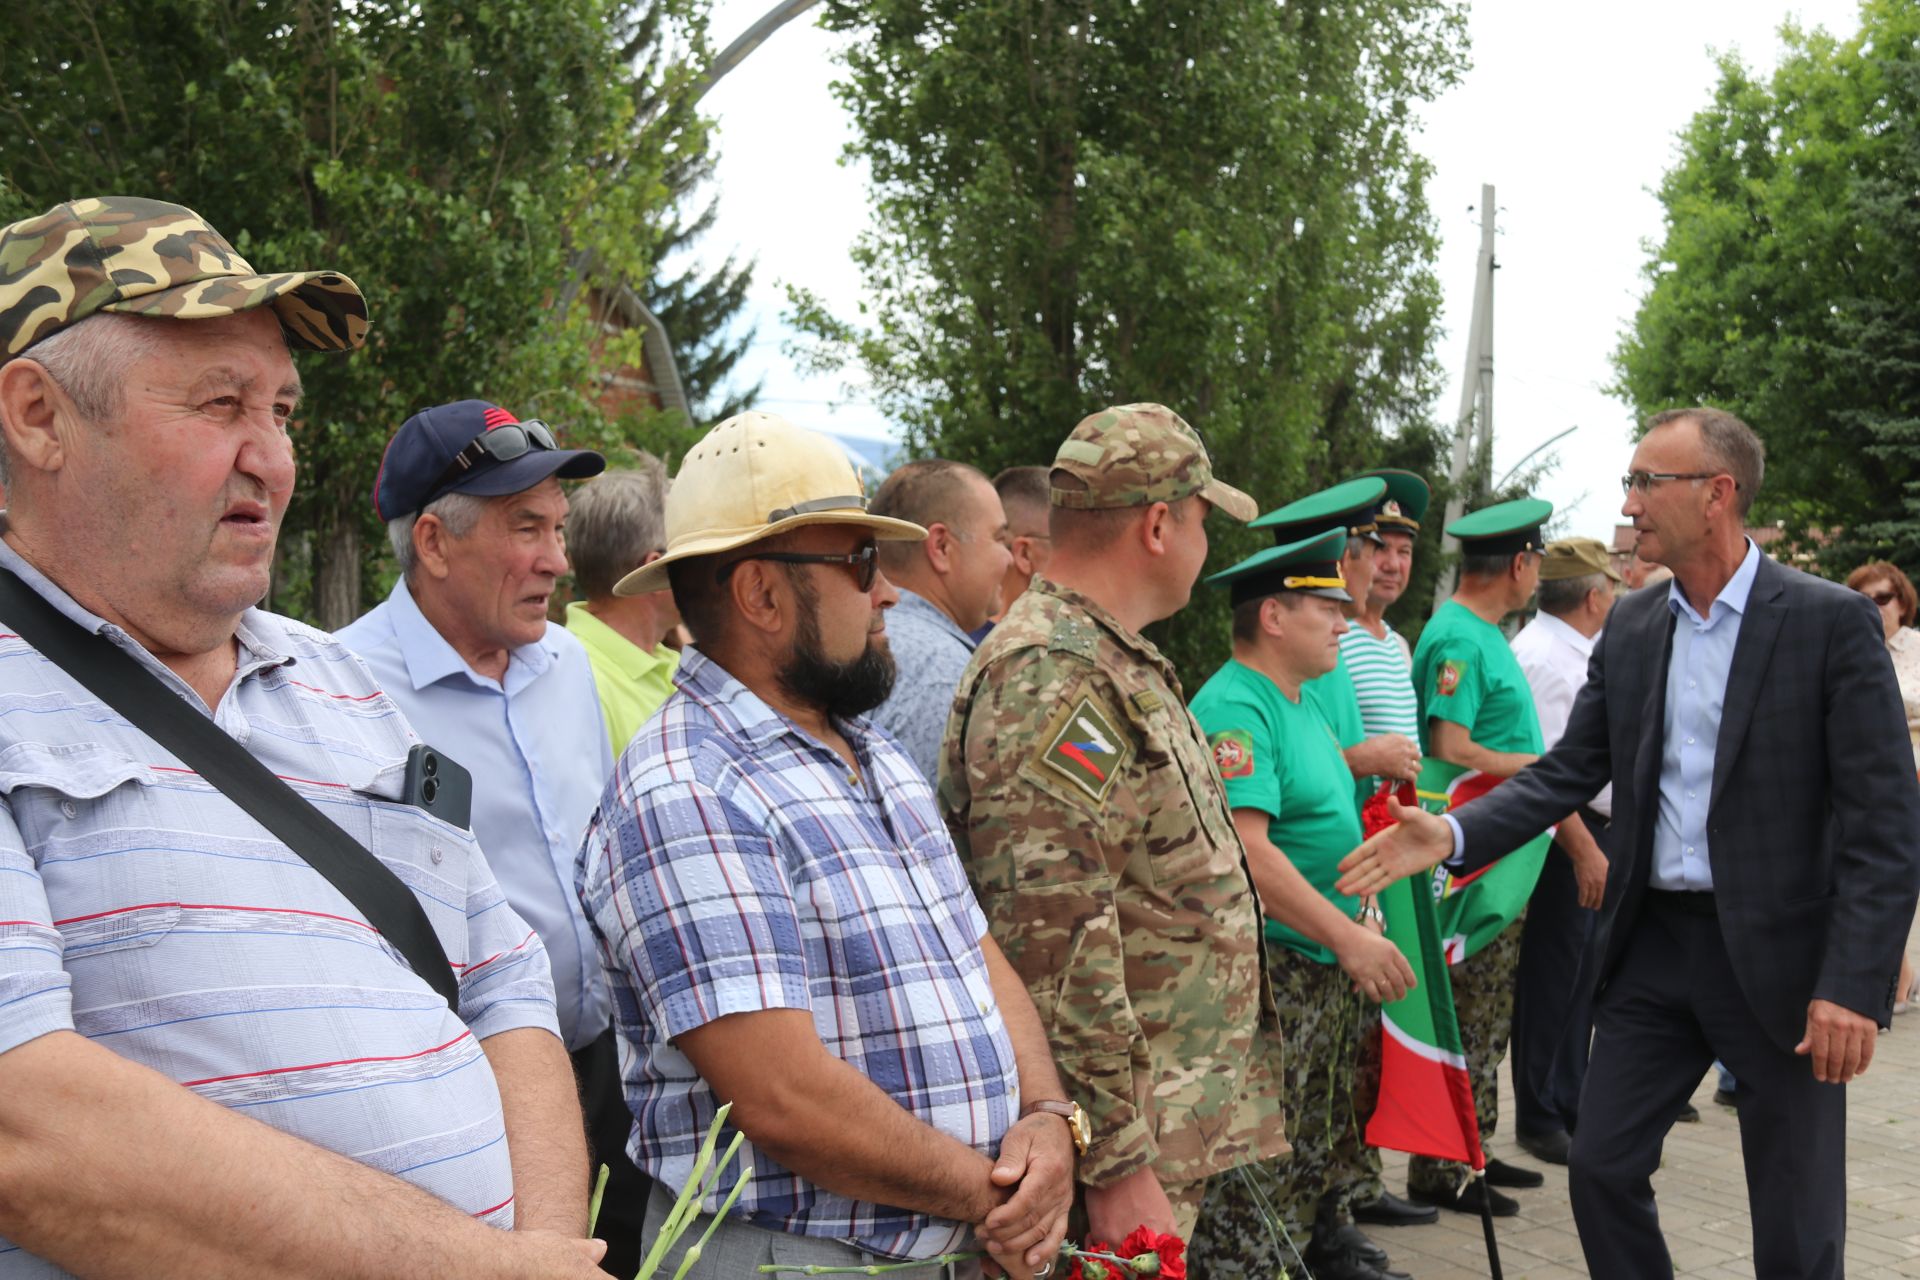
1472	910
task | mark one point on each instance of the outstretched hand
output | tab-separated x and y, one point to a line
1417	841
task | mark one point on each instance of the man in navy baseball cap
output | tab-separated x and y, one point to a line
473	447
476	514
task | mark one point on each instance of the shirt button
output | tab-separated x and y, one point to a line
436	855
1689	795
69	808
1689	848
1689	741
1691	684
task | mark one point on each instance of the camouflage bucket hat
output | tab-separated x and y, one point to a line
145	257
1135	454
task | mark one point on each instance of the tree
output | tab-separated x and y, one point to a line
1213	205
1783	289
451	158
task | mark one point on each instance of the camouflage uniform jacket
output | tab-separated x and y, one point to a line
1083	798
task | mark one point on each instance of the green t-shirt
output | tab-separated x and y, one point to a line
1464	672
1339	702
1281	757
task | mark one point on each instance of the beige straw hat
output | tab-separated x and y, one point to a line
753	476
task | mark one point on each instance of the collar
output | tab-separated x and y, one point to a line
259	633
744	714
914	605
626	656
1734	595
430	659
1130	640
1561	630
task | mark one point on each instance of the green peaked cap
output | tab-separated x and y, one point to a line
1350	505
1405	505
1506	528
1311	565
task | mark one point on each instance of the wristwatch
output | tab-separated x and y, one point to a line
1070	1112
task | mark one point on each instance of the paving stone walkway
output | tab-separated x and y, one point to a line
1703	1194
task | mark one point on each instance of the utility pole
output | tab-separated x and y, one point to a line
1473	429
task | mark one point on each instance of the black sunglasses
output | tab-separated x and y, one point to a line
864	560
502	444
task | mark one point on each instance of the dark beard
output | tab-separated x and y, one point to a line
839	689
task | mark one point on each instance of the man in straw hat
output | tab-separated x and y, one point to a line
785	923
1085	800
210	1062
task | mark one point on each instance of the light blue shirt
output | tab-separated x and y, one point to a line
930	653
536	745
1697	673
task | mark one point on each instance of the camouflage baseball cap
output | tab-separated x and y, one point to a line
145	257
1135	454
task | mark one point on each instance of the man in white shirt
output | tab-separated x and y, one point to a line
1552	1014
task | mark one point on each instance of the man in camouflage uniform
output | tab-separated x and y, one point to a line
1280	761
1084	800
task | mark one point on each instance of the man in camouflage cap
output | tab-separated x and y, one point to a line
174	979
1084	798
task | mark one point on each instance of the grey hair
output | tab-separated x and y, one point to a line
613	521
1730	445
1564	595
89	360
460	512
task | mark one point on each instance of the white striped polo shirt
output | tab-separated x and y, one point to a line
1382	682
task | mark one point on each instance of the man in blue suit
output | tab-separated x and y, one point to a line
1765	861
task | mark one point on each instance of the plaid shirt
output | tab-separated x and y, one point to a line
736	865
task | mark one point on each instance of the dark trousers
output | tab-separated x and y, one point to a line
1670	1009
1552	999
623	1207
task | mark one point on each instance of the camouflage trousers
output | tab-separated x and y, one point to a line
1258	1217
1483	1004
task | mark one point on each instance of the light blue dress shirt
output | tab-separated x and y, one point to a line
536	745
1697	672
930	654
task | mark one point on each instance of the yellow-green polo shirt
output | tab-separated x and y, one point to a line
632	682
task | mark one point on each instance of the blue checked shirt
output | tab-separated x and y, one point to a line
144	910
736	865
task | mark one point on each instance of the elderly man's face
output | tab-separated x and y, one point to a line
183	490
501	575
1392	565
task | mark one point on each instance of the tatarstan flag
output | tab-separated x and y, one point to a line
1426	1099
1472	910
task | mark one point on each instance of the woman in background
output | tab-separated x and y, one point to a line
1893	593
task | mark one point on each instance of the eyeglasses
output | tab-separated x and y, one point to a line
1641	481
1881	598
864	560
503	443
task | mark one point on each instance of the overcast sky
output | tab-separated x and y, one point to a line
1571	111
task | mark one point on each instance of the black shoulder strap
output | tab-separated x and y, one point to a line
157	711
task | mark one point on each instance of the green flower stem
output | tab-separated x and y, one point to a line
871	1269
593	1205
699	1246
686	1205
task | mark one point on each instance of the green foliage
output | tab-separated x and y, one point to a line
457	160
1213	205
1784	289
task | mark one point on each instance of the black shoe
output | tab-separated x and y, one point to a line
1550	1147
1330	1261
1502	1174
1353	1240
1689	1114
1726	1097
1391	1211
1467	1199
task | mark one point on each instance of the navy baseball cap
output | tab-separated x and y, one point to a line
441	450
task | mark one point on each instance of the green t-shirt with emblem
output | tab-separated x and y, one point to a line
1464	672
1338	702
1283	758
